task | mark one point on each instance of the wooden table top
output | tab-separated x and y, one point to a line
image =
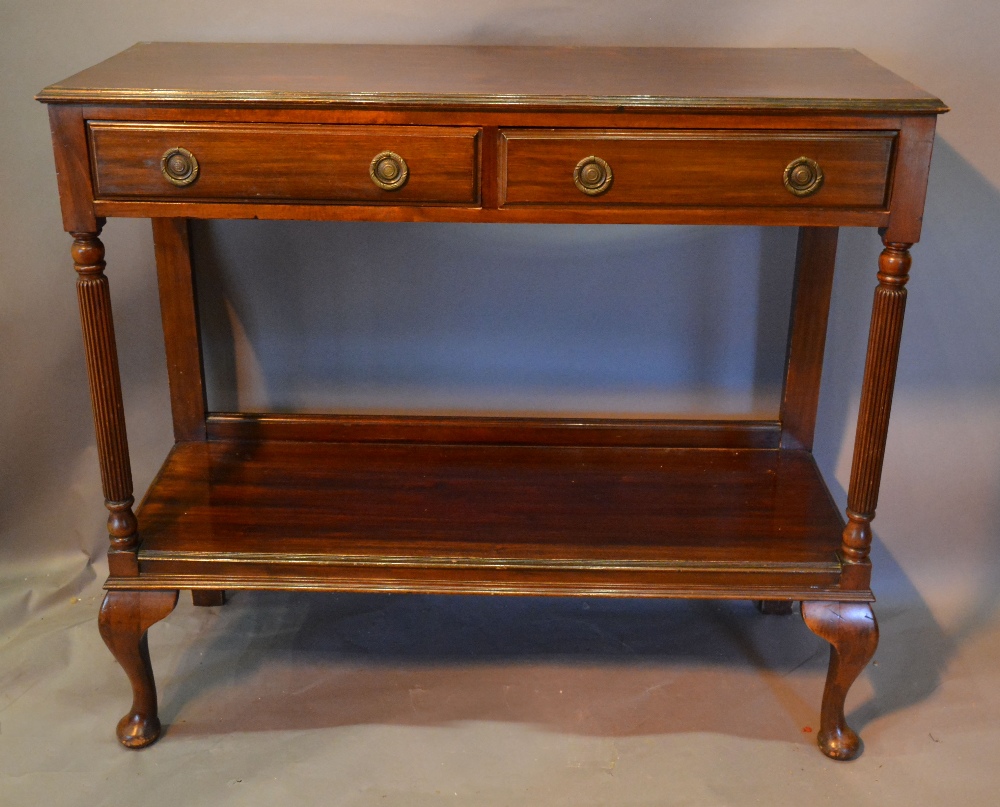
714	79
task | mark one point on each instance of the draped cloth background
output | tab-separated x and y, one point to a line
421	700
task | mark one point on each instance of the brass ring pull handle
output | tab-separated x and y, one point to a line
803	177
593	176
389	171
179	166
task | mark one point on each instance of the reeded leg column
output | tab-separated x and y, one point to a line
850	627
876	401
106	398
852	632
124	619
125	615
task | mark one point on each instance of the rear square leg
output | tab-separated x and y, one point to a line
774	607
207	597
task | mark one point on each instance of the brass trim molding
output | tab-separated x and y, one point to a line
131	95
452	562
659	590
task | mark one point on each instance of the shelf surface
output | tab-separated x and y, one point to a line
497	519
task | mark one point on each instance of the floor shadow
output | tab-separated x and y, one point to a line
271	661
913	650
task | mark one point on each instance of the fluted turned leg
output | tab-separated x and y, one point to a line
124	619
850	627
873	413
852	632
106	399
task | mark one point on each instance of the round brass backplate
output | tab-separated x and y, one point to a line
803	177
389	171
593	176
179	166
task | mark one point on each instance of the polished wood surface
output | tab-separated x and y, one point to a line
783	216
705	168
817	139
179	312
491	518
99	343
555	77
295	162
549	431
852	631
876	402
124	618
815	257
72	159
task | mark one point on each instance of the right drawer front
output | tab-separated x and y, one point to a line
696	168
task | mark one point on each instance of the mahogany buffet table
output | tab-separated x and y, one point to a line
815	139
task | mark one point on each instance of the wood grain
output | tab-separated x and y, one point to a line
852	631
553	431
876	399
511	118
784	216
694	169
124	618
272	162
106	398
181	332
293	75
815	258
69	141
909	185
492	518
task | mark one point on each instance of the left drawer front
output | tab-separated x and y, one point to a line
284	163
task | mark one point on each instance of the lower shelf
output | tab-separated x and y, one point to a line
753	524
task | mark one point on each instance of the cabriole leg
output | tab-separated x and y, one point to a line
850	628
124	619
852	632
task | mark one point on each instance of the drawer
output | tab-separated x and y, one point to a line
696	168
285	163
